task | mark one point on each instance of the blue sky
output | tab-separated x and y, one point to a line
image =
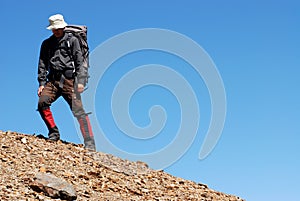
255	46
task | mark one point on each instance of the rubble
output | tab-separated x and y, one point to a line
25	159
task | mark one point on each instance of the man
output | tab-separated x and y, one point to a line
61	73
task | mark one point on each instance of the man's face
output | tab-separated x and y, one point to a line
58	32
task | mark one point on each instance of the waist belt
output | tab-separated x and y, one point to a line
56	75
61	76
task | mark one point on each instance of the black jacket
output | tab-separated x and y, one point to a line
56	56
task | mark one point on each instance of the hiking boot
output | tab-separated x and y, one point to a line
90	144
54	134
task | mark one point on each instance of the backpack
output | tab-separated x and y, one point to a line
80	32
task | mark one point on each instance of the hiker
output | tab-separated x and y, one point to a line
61	73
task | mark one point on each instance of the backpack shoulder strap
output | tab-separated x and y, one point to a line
69	49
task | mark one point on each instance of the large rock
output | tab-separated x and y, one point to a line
53	186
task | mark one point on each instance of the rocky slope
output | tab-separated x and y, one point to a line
93	175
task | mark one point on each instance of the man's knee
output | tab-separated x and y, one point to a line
79	113
44	102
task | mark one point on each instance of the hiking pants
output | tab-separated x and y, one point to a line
51	93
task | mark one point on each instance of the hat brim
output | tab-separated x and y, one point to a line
57	26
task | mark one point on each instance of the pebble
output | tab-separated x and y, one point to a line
94	175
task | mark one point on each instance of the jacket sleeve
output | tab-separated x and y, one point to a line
81	71
43	64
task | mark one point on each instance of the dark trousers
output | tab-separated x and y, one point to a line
51	93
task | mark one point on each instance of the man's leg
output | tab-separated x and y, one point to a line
75	103
48	96
87	133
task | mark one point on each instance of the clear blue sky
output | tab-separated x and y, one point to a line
255	46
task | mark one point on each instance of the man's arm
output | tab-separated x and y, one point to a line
42	68
81	71
43	65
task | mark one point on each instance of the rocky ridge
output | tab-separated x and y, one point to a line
93	175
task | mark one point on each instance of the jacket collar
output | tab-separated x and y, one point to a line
59	40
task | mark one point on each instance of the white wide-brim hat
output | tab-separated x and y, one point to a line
56	22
